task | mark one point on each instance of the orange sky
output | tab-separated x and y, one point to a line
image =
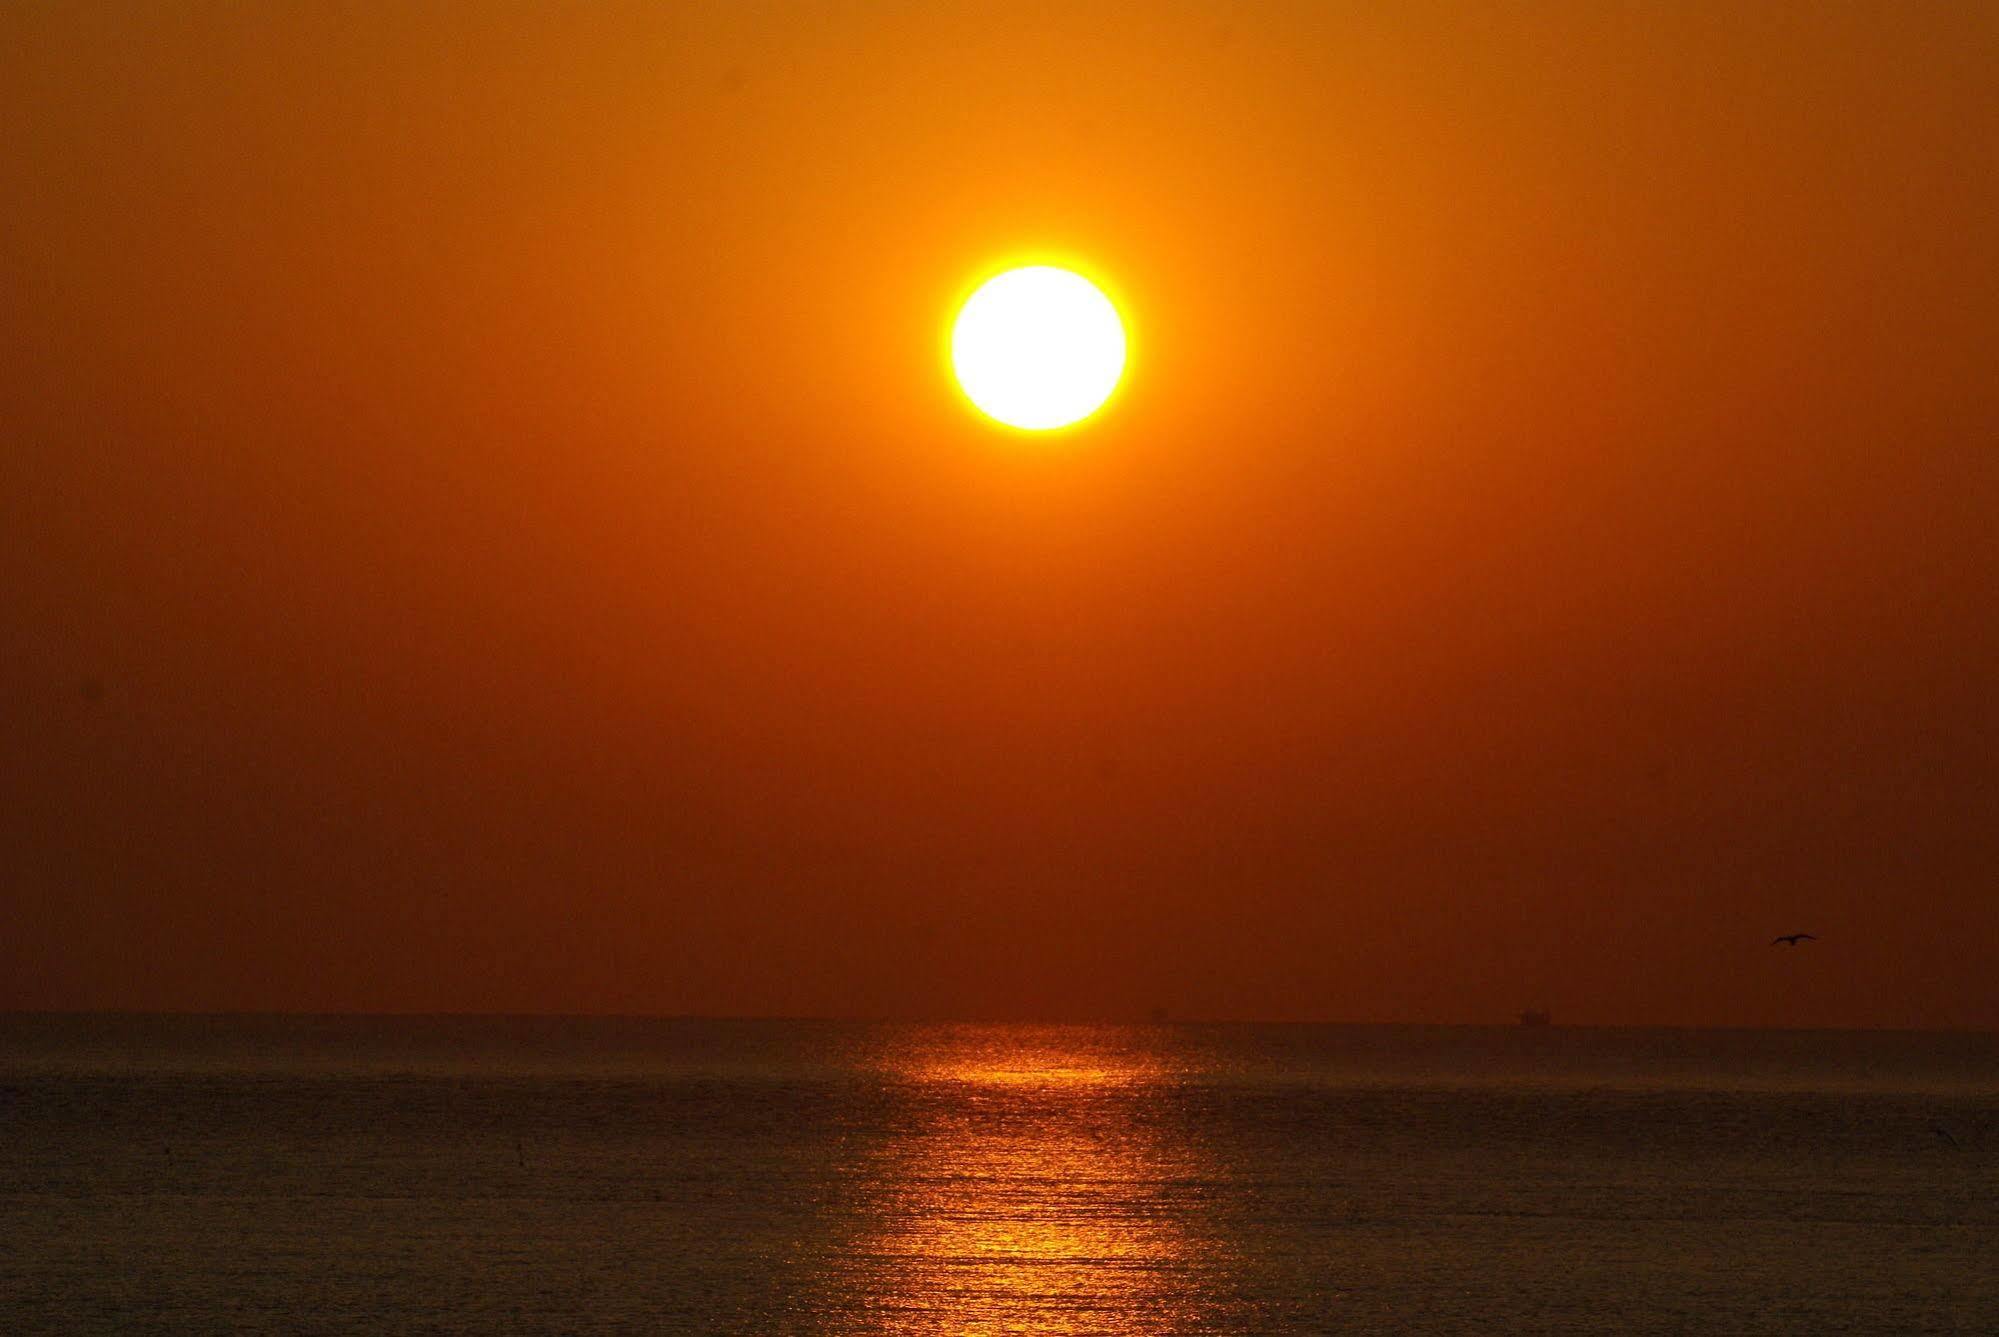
486	528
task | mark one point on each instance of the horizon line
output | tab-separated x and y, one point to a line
858	1019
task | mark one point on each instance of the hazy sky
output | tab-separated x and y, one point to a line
486	526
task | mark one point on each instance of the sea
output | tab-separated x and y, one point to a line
605	1175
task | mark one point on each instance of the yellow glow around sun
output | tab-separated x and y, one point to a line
1038	348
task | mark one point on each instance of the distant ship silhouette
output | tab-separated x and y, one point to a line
1536	1017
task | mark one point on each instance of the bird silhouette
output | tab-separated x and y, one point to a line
1793	939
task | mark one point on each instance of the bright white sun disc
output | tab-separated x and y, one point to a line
1038	348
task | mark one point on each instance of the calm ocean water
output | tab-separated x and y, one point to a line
512	1175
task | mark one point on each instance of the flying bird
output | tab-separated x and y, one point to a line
1793	939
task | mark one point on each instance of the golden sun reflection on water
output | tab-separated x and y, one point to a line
1033	1194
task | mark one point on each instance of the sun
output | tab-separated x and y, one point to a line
1038	348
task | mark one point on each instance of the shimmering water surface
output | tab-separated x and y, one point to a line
289	1174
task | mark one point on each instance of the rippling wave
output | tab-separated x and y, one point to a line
307	1174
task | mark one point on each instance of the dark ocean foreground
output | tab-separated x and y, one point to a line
495	1175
